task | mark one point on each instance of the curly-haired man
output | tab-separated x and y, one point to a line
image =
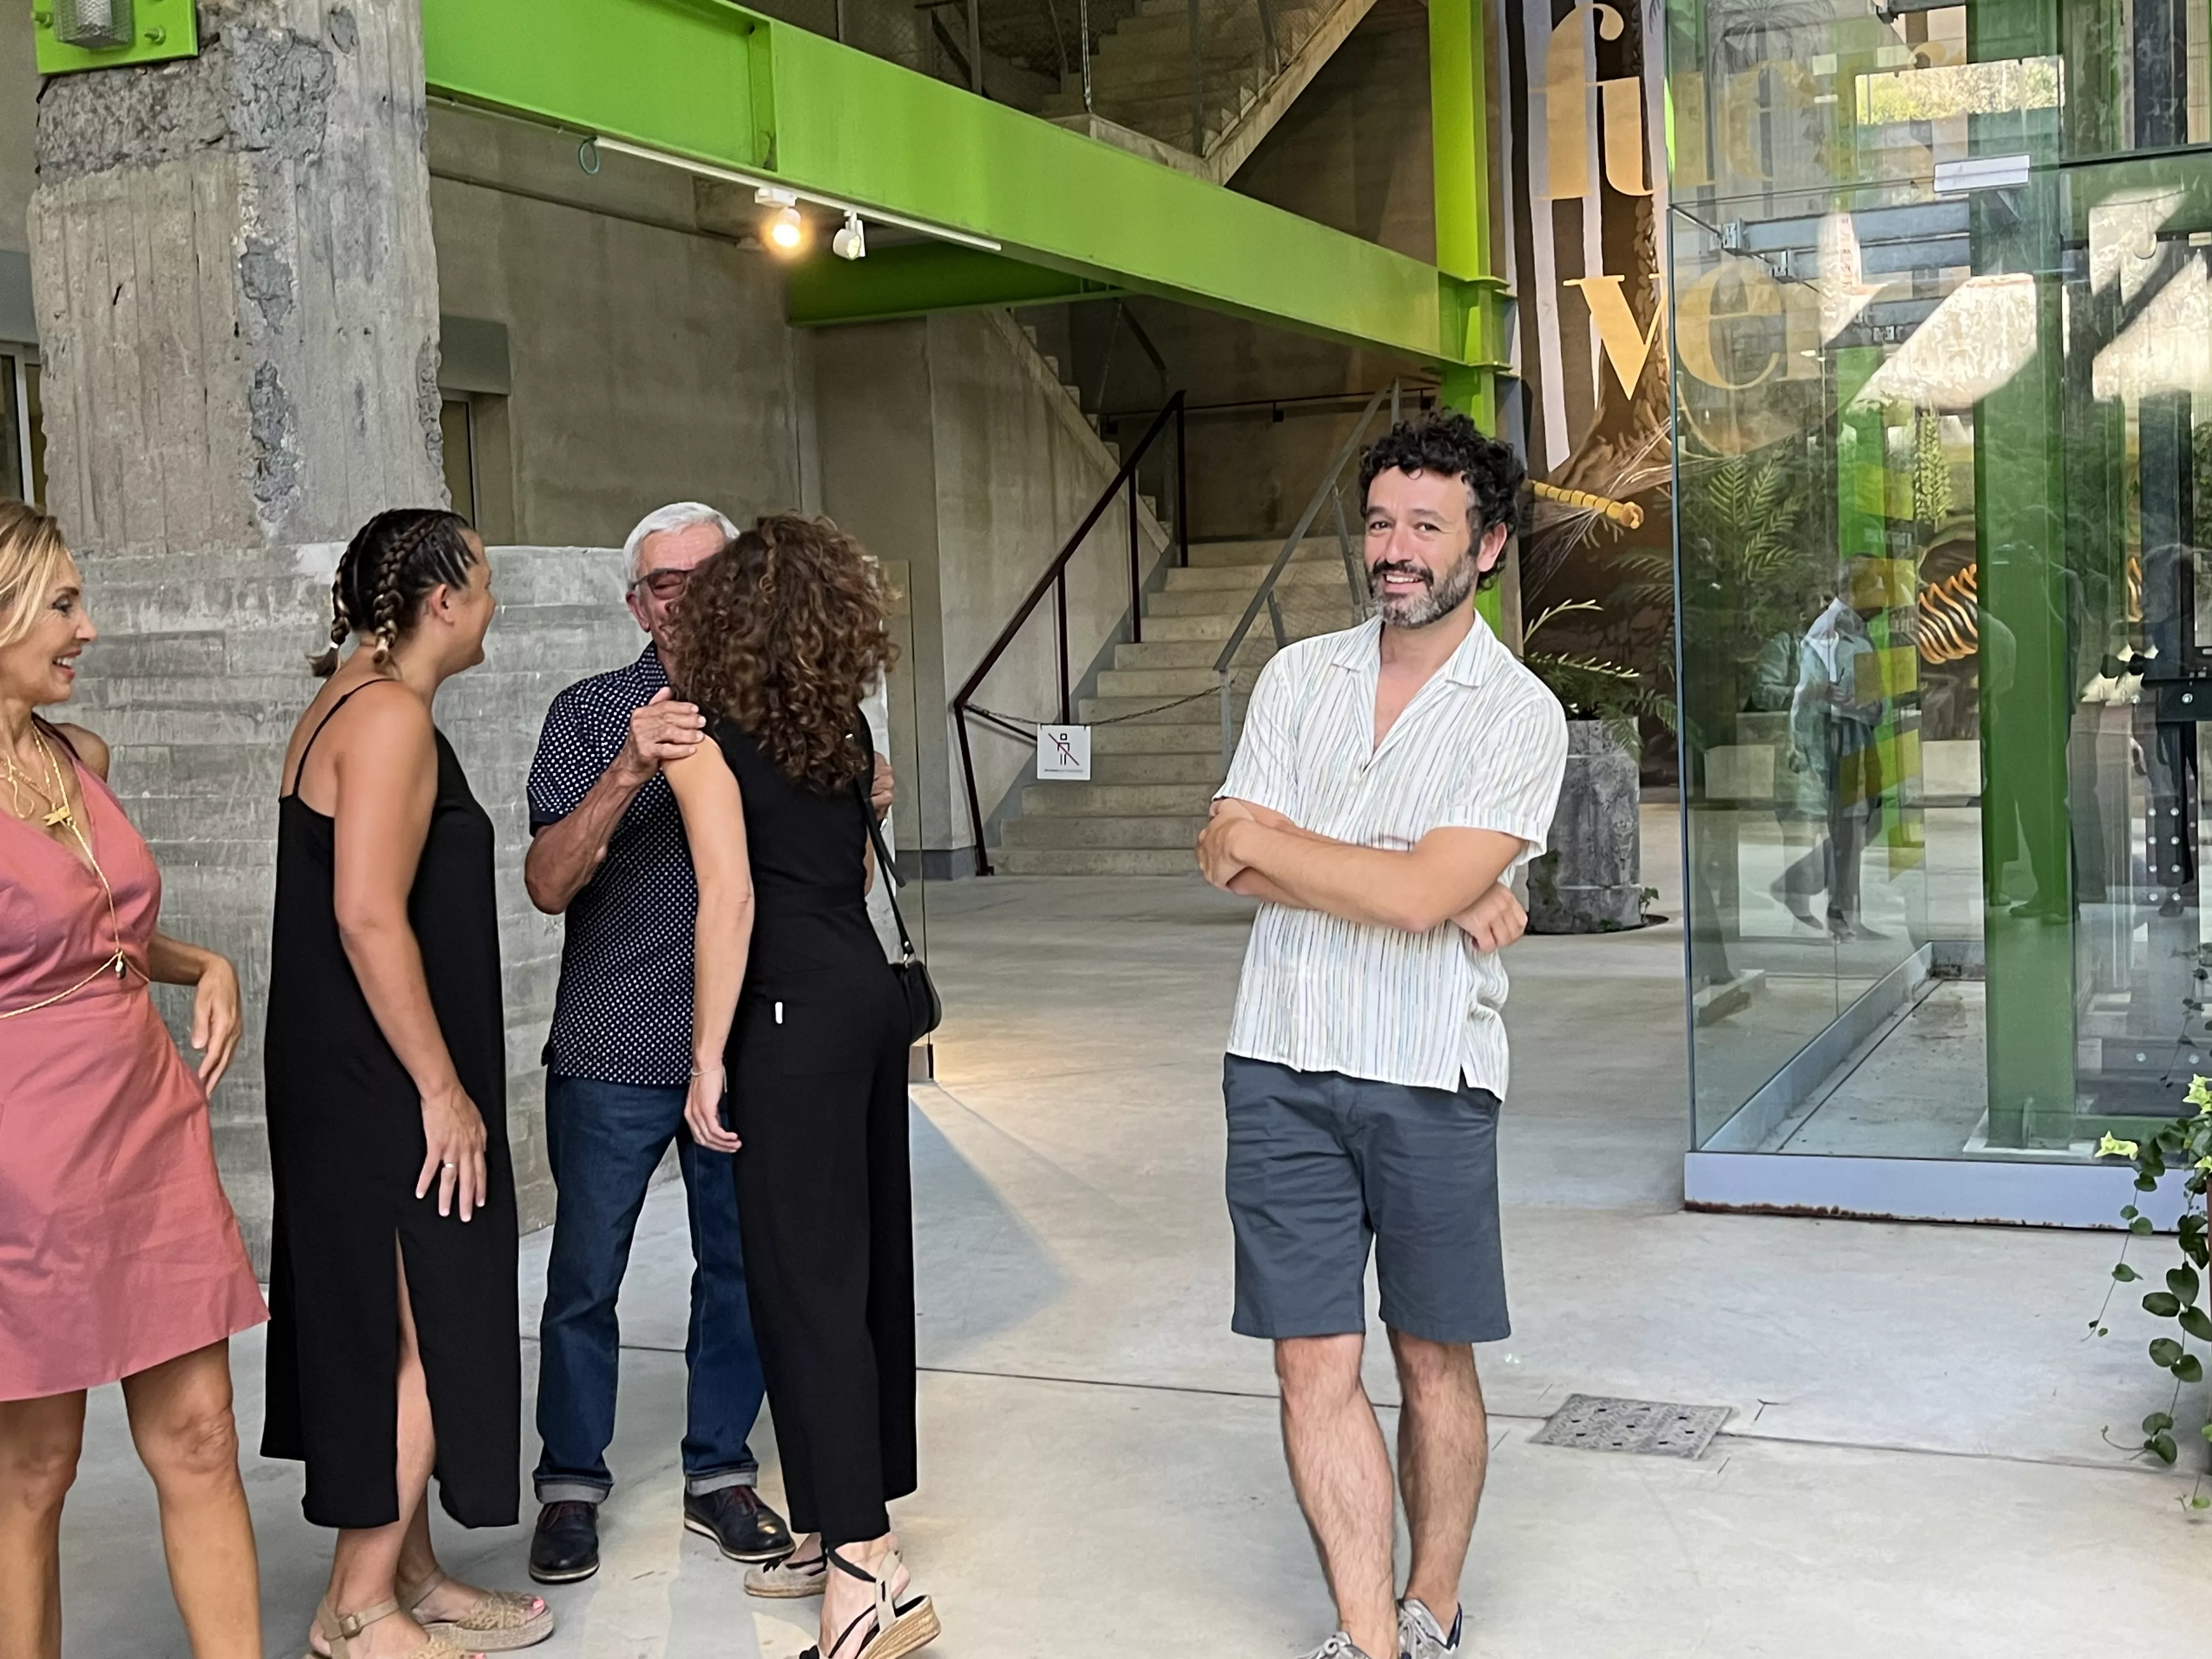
1387	781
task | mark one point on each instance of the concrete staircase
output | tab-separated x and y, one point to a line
1154	770
1140	77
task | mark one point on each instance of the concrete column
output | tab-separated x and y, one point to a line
238	314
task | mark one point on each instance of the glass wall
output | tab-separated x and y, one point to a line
1941	282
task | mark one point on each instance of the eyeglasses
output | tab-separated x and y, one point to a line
663	584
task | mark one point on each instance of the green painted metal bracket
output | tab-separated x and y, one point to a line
917	279
713	83
163	29
686	76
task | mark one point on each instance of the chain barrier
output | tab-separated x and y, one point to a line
1142	713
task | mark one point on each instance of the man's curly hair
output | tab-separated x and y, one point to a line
782	632
1448	445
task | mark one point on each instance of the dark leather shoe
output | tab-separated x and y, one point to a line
566	1546
743	1528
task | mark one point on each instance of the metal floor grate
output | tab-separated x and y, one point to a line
1656	1428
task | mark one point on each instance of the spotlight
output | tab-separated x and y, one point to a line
852	242
783	229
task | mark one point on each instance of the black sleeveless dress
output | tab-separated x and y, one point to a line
346	1145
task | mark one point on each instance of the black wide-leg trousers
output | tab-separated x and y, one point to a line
819	1096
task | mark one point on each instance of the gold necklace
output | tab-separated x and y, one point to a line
118	961
19	780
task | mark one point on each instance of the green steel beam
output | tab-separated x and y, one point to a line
714	84
2019	526
1459	77
916	279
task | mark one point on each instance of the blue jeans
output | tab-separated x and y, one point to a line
603	1141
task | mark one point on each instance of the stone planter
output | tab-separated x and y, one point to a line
1588	879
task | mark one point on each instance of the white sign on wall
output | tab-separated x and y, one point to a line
1063	753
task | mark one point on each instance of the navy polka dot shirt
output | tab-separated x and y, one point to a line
623	1014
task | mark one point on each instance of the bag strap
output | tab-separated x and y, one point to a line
884	862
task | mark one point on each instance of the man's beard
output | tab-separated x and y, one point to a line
1438	599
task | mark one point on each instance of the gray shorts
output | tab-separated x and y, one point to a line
1321	1165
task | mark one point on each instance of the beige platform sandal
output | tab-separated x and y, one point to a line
896	1628
340	1629
503	1621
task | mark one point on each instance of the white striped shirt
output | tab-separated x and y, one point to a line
1483	745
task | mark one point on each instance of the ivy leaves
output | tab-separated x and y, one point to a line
2183	1144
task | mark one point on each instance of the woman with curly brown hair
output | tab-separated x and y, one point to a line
800	1031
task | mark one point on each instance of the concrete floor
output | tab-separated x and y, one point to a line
1914	1465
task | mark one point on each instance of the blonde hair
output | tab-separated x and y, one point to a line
31	556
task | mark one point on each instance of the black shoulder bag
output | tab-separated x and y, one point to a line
925	1009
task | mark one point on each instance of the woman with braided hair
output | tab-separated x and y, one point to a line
392	1351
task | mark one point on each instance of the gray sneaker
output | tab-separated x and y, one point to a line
1420	1634
1339	1646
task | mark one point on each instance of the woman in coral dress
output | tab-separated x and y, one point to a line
119	1256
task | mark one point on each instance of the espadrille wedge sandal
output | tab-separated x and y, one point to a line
503	1621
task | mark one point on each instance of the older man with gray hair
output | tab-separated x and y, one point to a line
608	852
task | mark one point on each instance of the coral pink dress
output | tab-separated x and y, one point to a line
118	1249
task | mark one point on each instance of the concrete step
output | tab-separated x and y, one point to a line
1244	578
1185	630
1160	833
1223	602
1176	734
1170	31
1091	710
1261	551
1156	653
1203	768
1112	800
1093	862
1162	684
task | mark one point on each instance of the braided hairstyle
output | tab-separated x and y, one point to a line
390	566
1447	445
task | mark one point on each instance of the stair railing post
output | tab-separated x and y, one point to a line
1197	87
1182	486
975	47
1060	620
1274	61
975	799
1352	562
1227	751
1083	28
1136	582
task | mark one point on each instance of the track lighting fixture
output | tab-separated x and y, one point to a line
783	230
851	242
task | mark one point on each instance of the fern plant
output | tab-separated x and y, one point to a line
1746	571
1593	688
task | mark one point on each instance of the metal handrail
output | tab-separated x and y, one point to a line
1264	598
1054	583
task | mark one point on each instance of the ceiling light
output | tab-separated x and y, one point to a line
852	242
785	230
768	196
